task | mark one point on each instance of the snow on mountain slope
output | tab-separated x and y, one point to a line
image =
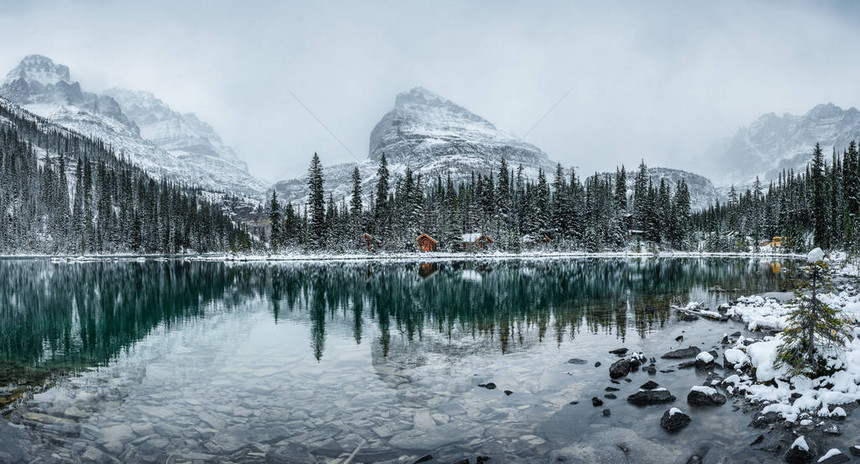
194	155
702	190
432	136
773	143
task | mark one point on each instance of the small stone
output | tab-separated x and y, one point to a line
833	429
651	370
597	364
508	392
576	361
574	403
619	351
855	450
610	396
596	402
611	389
488	385
679	338
607	412
649	385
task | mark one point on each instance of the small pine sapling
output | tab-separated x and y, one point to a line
815	330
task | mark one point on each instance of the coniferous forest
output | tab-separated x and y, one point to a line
121	209
64	193
559	211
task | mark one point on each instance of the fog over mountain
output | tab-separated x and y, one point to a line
593	85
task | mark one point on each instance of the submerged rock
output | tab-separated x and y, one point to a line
619	351
576	361
649	385
689	352
619	368
674	419
607	412
646	397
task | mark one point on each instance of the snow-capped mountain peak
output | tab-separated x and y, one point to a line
137	125
772	143
424	127
40	69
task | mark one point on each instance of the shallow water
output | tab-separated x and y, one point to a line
177	361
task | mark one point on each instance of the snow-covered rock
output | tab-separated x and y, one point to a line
705	396
736	358
674	419
815	256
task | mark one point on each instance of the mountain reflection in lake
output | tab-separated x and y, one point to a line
300	362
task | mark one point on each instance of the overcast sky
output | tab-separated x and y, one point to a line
653	80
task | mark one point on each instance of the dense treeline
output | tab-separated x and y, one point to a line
563	213
63	193
815	208
818	207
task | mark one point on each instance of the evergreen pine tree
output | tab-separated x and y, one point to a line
316	221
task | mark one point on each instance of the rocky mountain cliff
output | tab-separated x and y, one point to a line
432	136
182	148
773	143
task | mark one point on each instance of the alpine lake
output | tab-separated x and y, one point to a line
171	361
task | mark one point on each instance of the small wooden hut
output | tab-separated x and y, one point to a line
427	243
475	242
371	242
533	241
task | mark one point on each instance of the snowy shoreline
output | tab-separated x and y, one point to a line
394	257
808	409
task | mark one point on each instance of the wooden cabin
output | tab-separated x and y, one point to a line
427	243
635	234
371	242
535	241
475	242
776	242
